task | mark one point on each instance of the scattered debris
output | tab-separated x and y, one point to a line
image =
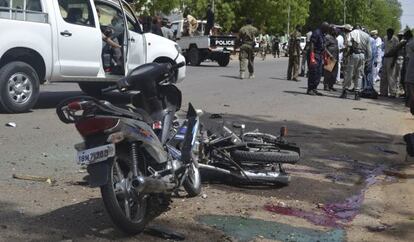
34	178
11	124
216	116
164	233
44	154
379	228
282	204
360	109
79	183
107	231
204	196
394	173
382	149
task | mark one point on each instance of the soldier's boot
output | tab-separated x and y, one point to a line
242	75
357	96
251	76
344	94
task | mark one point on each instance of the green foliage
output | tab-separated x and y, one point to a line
372	14
272	15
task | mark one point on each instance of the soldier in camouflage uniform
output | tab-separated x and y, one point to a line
247	35
294	55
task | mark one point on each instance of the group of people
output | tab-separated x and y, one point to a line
365	57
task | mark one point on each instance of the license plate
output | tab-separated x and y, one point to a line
95	155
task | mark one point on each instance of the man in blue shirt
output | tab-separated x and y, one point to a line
317	49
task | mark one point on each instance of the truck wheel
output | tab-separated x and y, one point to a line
93	89
19	87
193	57
224	60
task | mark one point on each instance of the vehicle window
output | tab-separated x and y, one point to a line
77	12
34	5
4	3
31	5
110	16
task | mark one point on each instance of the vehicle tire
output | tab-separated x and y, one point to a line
193	57
116	196
93	89
192	183
224	60
19	87
275	156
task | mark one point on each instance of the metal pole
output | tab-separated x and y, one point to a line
288	25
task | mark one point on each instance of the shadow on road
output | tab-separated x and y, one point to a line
86	221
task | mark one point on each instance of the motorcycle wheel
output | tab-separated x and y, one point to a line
129	211
268	156
192	183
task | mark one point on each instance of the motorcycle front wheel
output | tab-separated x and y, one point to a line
192	183
128	210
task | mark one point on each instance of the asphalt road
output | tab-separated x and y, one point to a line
325	128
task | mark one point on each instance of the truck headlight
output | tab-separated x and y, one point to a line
178	48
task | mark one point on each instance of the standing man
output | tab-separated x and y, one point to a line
368	86
166	31
332	50
305	55
247	36
294	55
388	84
276	46
341	47
359	53
210	20
378	61
409	75
315	63
156	26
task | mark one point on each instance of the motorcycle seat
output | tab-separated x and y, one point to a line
151	72
136	113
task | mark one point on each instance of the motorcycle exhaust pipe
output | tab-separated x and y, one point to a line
150	185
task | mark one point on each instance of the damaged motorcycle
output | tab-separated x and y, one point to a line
248	158
133	153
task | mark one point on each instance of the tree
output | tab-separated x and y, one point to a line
372	14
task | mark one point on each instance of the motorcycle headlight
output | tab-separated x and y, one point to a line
178	48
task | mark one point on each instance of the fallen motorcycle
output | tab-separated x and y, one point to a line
133	154
248	157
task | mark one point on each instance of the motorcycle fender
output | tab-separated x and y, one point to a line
99	173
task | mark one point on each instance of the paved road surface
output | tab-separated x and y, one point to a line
336	137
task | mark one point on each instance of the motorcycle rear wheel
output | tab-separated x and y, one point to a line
128	211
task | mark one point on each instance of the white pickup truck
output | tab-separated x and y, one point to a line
199	47
62	41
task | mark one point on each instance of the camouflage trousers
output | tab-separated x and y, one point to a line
293	67
246	59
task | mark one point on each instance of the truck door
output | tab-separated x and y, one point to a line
79	38
136	51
